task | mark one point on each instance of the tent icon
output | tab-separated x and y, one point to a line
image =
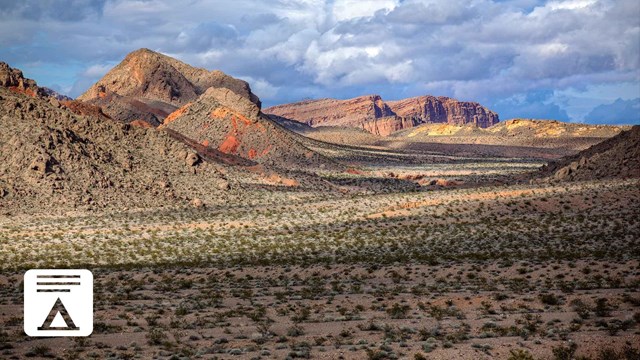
58	302
58	318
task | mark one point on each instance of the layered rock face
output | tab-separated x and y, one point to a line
387	125
373	114
431	109
149	86
332	112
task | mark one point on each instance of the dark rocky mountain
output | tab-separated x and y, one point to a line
617	157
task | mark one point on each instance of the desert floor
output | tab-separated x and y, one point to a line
422	256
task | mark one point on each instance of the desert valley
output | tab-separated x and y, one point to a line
363	228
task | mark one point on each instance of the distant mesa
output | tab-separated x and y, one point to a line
378	117
430	110
149	86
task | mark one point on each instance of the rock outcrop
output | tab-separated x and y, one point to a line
376	116
149	86
231	125
13	80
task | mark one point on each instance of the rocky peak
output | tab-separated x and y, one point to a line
149	86
14	80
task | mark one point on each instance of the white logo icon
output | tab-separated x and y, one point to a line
58	302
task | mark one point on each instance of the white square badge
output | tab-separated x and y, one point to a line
58	302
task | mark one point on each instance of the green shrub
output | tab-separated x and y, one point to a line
520	354
564	352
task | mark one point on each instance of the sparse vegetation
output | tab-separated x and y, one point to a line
412	254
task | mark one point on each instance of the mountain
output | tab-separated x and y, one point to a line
60	158
233	125
211	112
378	117
617	157
149	86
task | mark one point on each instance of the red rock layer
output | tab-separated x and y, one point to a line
373	114
431	109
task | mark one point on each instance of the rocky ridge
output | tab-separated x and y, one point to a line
149	86
617	157
378	117
60	158
231	124
13	80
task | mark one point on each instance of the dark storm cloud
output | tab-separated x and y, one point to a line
496	52
619	112
59	10
537	104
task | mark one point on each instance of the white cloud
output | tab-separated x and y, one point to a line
480	50
97	70
571	4
350	9
262	87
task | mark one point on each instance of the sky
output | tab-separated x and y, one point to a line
573	60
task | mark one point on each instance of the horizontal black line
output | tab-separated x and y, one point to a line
58	276
57	328
53	290
58	283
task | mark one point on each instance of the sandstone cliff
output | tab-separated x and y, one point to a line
431	109
374	115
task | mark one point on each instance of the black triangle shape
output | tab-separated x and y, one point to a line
58	307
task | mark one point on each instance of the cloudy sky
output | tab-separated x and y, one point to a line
576	60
